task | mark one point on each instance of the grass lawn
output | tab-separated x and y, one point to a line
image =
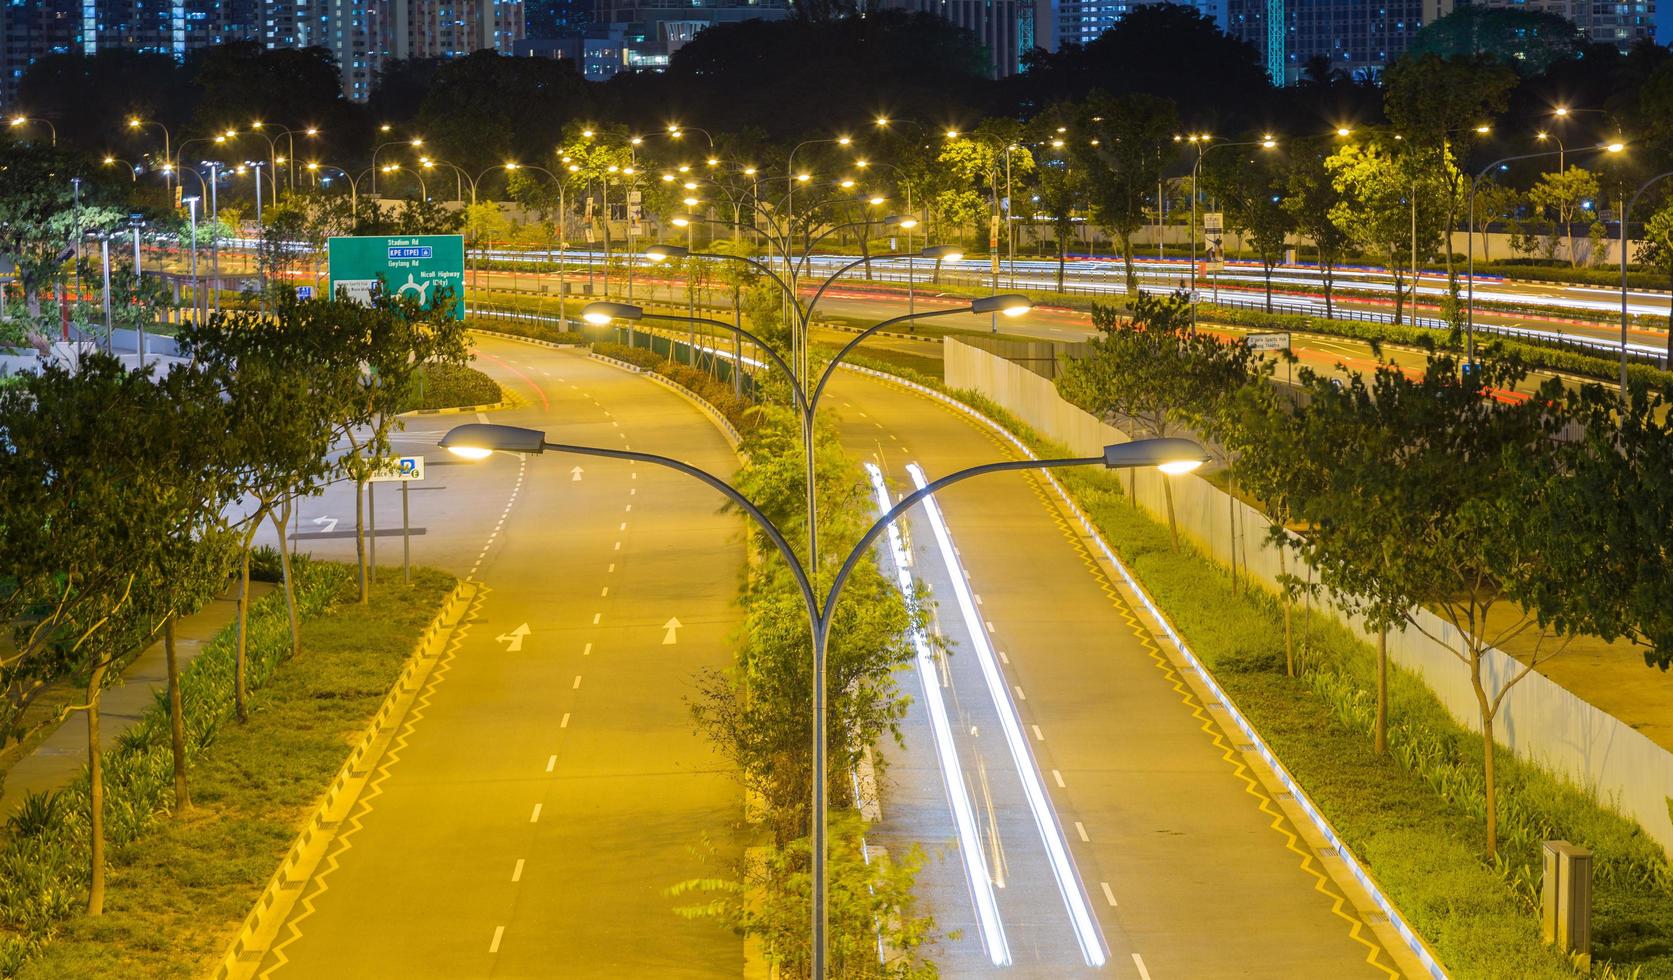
179	892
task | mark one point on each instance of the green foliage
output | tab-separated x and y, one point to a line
735	407
43	868
1121	155
452	386
867	896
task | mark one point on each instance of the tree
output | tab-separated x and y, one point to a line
40	221
1526	41
1437	105
109	477
994	158
1154	374
1058	188
1121	157
1251	192
1375	209
1569	193
1656	252
1494	202
1436	503
1310	197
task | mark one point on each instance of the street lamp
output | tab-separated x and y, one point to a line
17	121
133	171
477	441
1469	248
1626	216
1203	145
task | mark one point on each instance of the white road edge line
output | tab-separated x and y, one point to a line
1051	834
952	772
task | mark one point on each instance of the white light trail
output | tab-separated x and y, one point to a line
975	864
1051	834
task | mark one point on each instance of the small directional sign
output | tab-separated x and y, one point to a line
672	636
514	639
1267	341
399	469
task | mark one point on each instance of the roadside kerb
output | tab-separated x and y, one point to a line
278	900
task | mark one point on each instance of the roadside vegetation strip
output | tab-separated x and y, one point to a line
181	888
1414	816
443	387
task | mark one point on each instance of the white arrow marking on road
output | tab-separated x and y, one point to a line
329	522
514	638
671	637
575	474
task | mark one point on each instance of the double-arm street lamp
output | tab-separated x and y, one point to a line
1203	144
478	441
1469	245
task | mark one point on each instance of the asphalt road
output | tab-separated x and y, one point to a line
552	785
1175	852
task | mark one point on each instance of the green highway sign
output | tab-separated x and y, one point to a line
417	266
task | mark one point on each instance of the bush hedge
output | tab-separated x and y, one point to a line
452	386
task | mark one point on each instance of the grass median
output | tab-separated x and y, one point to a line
180	890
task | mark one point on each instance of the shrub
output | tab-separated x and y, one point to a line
452	386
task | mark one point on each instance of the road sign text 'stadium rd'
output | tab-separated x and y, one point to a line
412	266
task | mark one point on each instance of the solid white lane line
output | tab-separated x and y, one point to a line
952	772
1080	829
517	872
564	723
551	762
1138	961
1109	896
577	682
535	816
499	933
1045	820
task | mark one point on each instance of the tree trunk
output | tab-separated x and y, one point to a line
1127	259
1381	734
360	537
95	797
1173	525
281	522
238	687
1488	750
1268	270
1289	606
176	722
1062	257
1133	486
1399	293
1329	283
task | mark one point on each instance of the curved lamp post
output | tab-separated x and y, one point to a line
480	440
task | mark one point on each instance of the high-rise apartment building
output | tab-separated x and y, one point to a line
360	34
1620	24
1005	28
1359	37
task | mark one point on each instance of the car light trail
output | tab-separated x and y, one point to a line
981	880
1051	834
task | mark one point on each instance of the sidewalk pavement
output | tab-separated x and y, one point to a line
56	761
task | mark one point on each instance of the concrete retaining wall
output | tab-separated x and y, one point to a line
1540	720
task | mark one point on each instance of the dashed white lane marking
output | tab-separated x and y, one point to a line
551	762
494	944
1058	777
612	567
618	546
535	816
628	508
633	476
577	682
1138	961
587	650
988	625
604	592
596	617
977	598
1109	896
1020	696
623	527
633	492
1039	736
564	723
1080	829
1004	659
517	872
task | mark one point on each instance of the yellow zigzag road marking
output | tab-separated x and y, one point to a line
1357	930
363	806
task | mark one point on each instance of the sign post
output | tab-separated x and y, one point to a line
402	470
1272	341
415	266
1214	240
